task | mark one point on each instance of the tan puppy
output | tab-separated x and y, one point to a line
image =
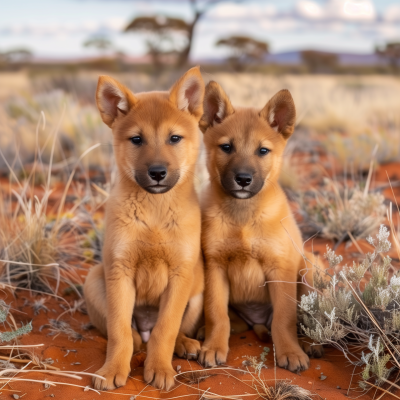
152	272
249	235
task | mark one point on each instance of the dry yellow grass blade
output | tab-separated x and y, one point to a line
64	195
100	190
395	236
21	361
20	346
383	390
355	242
393	230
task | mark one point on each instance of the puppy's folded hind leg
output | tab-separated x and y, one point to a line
137	338
238	324
201	333
262	332
186	347
95	297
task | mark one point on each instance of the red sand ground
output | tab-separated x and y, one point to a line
90	352
89	355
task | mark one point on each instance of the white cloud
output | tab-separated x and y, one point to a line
338	24
309	9
111	25
392	13
253	11
345	10
358	10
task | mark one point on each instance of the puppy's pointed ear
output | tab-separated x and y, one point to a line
217	106
113	99
188	92
280	113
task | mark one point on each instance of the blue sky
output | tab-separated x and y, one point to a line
57	28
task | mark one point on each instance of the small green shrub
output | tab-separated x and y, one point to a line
349	314
13	334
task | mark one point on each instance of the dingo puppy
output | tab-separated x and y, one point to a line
151	279
249	236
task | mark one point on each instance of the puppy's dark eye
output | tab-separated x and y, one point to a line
264	151
226	148
175	139
137	140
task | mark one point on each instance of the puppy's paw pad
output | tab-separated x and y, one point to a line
210	357
113	378
315	351
187	348
294	361
161	377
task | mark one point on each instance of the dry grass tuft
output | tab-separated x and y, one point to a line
351	149
338	212
265	389
57	327
32	248
40	248
194	377
282	390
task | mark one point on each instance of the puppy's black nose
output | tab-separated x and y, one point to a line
157	172
243	180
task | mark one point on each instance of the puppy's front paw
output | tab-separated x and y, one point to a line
115	376
159	375
187	348
315	351
294	360
210	356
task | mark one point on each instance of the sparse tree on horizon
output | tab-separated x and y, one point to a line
244	49
198	11
199	8
390	52
319	61
16	55
101	43
160	31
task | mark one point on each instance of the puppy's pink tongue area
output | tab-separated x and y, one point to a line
145	336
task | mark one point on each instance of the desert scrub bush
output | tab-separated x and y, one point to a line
257	364
335	210
14	332
355	313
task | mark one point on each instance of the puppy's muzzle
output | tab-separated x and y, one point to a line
243	180
157	173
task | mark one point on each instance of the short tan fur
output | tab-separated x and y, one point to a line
250	240
151	278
